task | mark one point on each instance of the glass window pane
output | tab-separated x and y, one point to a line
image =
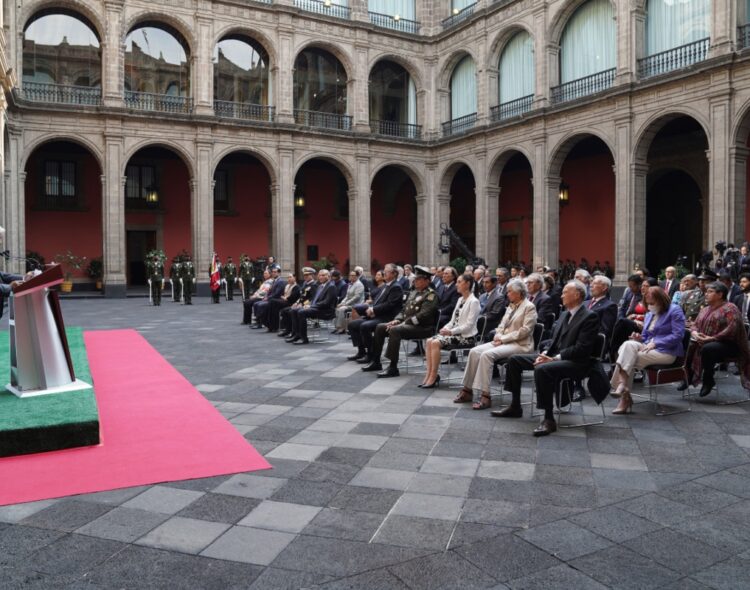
51	179
241	71
68	183
132	183
156	61
319	82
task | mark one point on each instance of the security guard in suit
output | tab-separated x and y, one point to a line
416	320
230	276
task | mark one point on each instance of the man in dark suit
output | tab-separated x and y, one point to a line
323	307
448	295
671	283
742	299
491	312
306	295
623	327
260	308
543	302
569	356
7	281
725	277
385	307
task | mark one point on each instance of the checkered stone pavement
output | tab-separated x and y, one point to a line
379	484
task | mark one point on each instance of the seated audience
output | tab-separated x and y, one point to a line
448	295
491	310
307	292
459	332
260	308
289	297
322	306
247	304
545	307
693	299
717	335
677	297
514	335
628	310
742	300
355	294
569	356
670	284
660	343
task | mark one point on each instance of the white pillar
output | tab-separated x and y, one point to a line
113	217
738	186
285	71
113	53
282	211
720	204
15	212
626	212
202	211
723	26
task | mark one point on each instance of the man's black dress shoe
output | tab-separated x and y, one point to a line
706	388
389	372
256	327
292	339
301	341
545	428
283	334
356	357
509	412
365	360
373	367
578	393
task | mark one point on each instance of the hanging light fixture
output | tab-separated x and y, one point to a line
327	3
152	194
299	201
564	194
396	17
456	11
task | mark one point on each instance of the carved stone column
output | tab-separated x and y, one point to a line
113	54
282	211
202	90
738	187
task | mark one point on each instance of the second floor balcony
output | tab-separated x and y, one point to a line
60	93
585	86
459	125
327	7
244	110
394	129
322	120
458	16
395	22
512	108
164	103
673	59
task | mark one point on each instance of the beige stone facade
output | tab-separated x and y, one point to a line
626	116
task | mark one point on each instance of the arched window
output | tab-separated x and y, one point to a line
61	48
464	88
156	61
516	68
393	99
241	71
671	23
588	43
319	82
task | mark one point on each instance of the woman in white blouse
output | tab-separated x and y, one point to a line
459	332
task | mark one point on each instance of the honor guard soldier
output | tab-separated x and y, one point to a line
230	276
155	273
187	277
175	272
246	276
415	321
215	286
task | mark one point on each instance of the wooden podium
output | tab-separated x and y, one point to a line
40	360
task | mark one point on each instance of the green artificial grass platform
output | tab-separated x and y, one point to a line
48	422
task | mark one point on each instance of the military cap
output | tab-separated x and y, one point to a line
422	271
308	271
274	267
708	275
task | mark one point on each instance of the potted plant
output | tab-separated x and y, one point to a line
71	263
95	270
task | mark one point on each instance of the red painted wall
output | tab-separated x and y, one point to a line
322	225
55	232
587	222
174	195
248	231
463	208
517	201
393	233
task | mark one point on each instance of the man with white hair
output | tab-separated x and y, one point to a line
671	283
585	277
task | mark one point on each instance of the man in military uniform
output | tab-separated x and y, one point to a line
246	276
307	293
188	279
215	293
230	276
175	272
416	320
693	299
155	273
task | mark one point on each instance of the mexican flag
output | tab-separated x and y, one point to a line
215	278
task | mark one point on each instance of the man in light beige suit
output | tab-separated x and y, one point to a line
514	335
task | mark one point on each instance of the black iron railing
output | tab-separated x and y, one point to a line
324	120
743	36
164	103
583	86
324	7
512	108
61	93
394	129
502	2
395	22
243	110
458	17
673	59
460	125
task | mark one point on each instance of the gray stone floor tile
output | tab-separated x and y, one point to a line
408	531
564	495
467	533
553	457
660	509
725	534
506	470
298	452
379	579
344	524
450	466
560	576
564	475
374	429
624	479
185	535
367	499
564	539
311	493
66	515
250	486
203	484
618	567
248	545
280	516
703	498
429	506
389	479
17	512
74	554
492	489
361	441
274	578
163	500
340	473
386	459
112	497
18	542
358	457
613	461
507	557
615	524
445	571
500	513
727	575
727	482
123	524
443	485
676	551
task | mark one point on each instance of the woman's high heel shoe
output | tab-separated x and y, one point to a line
626	404
434	385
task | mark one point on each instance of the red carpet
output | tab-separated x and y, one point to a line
155	427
